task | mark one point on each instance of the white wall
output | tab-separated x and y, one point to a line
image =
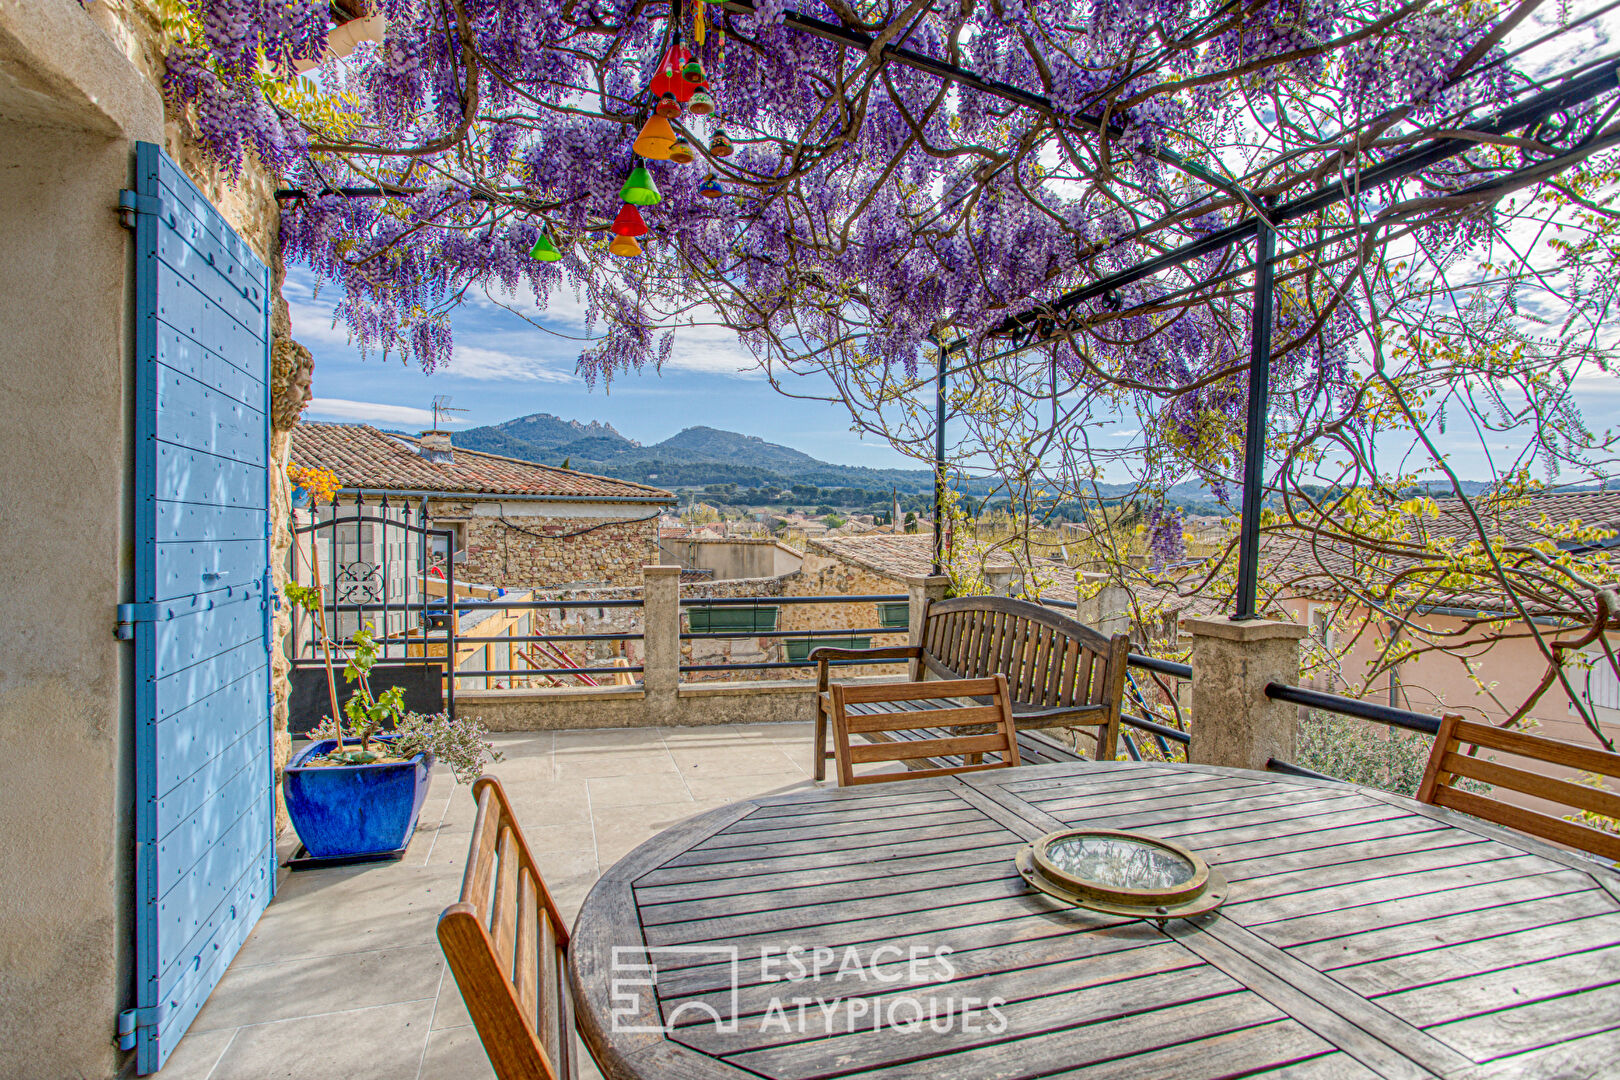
73	106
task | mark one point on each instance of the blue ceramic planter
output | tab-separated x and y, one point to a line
350	811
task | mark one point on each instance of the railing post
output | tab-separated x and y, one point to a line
1234	723
661	643
1109	611
922	591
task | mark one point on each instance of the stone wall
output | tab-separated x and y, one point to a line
532	551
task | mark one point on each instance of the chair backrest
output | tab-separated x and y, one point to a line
1448	764
506	945
988	728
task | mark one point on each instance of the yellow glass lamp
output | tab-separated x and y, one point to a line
625	247
681	152
656	140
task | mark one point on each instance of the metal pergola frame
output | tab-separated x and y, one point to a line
1029	329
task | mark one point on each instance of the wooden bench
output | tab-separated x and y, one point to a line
1059	672
507	945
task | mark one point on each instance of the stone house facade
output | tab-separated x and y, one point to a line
513	524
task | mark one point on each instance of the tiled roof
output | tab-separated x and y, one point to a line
897	555
363	457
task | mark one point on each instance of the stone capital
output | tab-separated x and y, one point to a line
1245	630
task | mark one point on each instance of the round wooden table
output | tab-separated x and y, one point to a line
1364	935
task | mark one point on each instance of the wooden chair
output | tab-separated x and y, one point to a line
1060	672
506	945
968	731
1447	764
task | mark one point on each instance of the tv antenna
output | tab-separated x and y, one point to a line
441	407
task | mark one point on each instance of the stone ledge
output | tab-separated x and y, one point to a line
1227	629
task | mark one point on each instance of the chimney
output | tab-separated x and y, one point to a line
435	446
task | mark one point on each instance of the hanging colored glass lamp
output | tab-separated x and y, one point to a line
655	140
639	189
720	146
701	103
667	106
629	222
544	250
710	188
681	152
625	247
692	72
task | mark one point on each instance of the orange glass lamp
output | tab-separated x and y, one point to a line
656	140
629	222
625	247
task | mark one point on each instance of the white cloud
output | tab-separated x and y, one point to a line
312	323
325	408
473	362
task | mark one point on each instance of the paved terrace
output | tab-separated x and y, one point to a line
343	978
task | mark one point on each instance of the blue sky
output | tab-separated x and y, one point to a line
505	367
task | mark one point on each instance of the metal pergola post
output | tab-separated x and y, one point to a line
943	355
1254	437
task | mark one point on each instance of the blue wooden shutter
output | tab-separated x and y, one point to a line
204	781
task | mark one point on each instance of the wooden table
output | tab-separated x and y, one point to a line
1365	935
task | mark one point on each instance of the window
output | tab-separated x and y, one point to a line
895	614
799	648
1597	684
738	620
1322	624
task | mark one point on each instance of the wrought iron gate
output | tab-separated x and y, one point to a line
381	567
204	781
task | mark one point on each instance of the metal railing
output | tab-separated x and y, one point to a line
533	669
756	602
1163	735
1427	723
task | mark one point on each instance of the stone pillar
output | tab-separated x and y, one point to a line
1233	722
661	641
923	590
1109	609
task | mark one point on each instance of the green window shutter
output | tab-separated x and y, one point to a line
740	620
800	648
896	614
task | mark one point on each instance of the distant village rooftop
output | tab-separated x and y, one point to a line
367	459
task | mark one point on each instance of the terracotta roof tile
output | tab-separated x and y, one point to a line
364	457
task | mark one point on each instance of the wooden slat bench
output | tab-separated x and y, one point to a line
1061	673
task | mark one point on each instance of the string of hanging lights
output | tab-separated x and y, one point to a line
679	87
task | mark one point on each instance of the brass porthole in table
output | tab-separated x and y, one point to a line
1122	873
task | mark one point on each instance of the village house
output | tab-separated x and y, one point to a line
514	524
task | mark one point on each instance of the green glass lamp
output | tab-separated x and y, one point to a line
640	190
544	250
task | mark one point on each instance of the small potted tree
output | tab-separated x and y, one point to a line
355	792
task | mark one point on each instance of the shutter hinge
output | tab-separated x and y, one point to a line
129	615
131	203
130	1020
